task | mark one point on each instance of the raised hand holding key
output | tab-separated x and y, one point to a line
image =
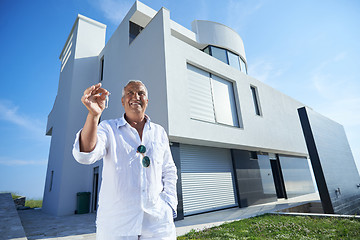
94	99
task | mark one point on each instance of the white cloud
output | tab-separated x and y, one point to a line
238	11
264	70
31	129
18	162
9	112
339	57
326	80
346	111
339	94
203	11
113	10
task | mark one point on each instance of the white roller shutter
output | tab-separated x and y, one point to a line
201	103
207	179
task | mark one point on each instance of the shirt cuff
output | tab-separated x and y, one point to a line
168	201
84	157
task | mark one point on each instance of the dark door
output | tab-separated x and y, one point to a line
95	189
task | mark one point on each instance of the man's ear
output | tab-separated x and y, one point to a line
122	101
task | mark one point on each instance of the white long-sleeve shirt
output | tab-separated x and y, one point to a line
128	189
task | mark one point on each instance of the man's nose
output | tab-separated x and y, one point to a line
136	96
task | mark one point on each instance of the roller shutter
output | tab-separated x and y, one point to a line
207	179
201	103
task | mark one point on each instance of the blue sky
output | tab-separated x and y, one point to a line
308	50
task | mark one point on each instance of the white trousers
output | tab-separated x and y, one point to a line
151	230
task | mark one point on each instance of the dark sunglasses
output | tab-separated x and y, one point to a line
146	160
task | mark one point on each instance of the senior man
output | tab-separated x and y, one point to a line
138	191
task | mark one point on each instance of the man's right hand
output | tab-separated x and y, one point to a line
94	99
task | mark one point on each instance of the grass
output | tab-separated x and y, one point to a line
15	196
32	203
282	227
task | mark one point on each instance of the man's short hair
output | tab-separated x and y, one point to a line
134	81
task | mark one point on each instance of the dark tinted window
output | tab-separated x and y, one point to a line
219	53
134	30
234	60
256	100
102	69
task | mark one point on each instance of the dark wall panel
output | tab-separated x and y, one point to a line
335	171
254	179
297	176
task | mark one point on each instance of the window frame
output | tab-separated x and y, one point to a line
237	124
236	110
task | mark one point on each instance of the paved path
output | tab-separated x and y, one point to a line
39	225
211	219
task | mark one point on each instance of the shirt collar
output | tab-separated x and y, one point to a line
122	121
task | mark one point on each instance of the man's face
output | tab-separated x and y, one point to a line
135	99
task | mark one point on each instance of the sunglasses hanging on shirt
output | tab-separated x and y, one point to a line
146	160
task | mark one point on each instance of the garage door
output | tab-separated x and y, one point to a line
207	179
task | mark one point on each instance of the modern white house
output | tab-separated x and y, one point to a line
235	141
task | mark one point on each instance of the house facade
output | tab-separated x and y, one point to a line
236	141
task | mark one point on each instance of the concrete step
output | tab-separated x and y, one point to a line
10	224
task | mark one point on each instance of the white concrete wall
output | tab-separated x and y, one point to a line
68	116
143	59
277	130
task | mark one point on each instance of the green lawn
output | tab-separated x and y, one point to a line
15	195
282	227
32	203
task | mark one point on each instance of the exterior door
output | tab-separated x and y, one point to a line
95	191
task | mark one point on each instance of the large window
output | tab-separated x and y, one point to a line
224	101
227	57
212	98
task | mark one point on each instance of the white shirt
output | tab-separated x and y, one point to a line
128	189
